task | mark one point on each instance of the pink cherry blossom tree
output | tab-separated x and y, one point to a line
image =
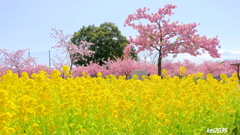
30	69
190	66
210	67
127	51
125	66
15	60
73	52
2	69
172	67
168	37
94	68
122	67
227	68
59	61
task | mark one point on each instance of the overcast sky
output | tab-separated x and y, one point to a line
28	23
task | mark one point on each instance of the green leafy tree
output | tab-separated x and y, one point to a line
108	43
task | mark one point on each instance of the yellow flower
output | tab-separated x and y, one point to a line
233	111
34	75
223	76
66	69
209	76
143	76
200	74
5	117
159	124
3	98
35	126
83	74
161	116
11	130
99	74
164	72
9	72
52	127
25	75
135	77
121	103
83	130
182	70
168	122
176	113
40	110
38	133
234	74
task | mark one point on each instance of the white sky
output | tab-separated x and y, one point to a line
28	23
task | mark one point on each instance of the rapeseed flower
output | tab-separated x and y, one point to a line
52	104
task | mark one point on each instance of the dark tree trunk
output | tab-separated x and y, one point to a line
160	64
160	61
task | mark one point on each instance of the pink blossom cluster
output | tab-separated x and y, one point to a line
16	62
127	50
213	67
124	67
73	52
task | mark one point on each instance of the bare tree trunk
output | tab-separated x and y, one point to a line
18	71
71	61
71	64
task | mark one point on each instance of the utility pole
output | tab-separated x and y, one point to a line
49	59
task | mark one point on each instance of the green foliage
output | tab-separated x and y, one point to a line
108	43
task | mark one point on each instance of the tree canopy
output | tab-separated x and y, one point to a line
108	43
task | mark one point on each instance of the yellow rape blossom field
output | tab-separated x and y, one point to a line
50	104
